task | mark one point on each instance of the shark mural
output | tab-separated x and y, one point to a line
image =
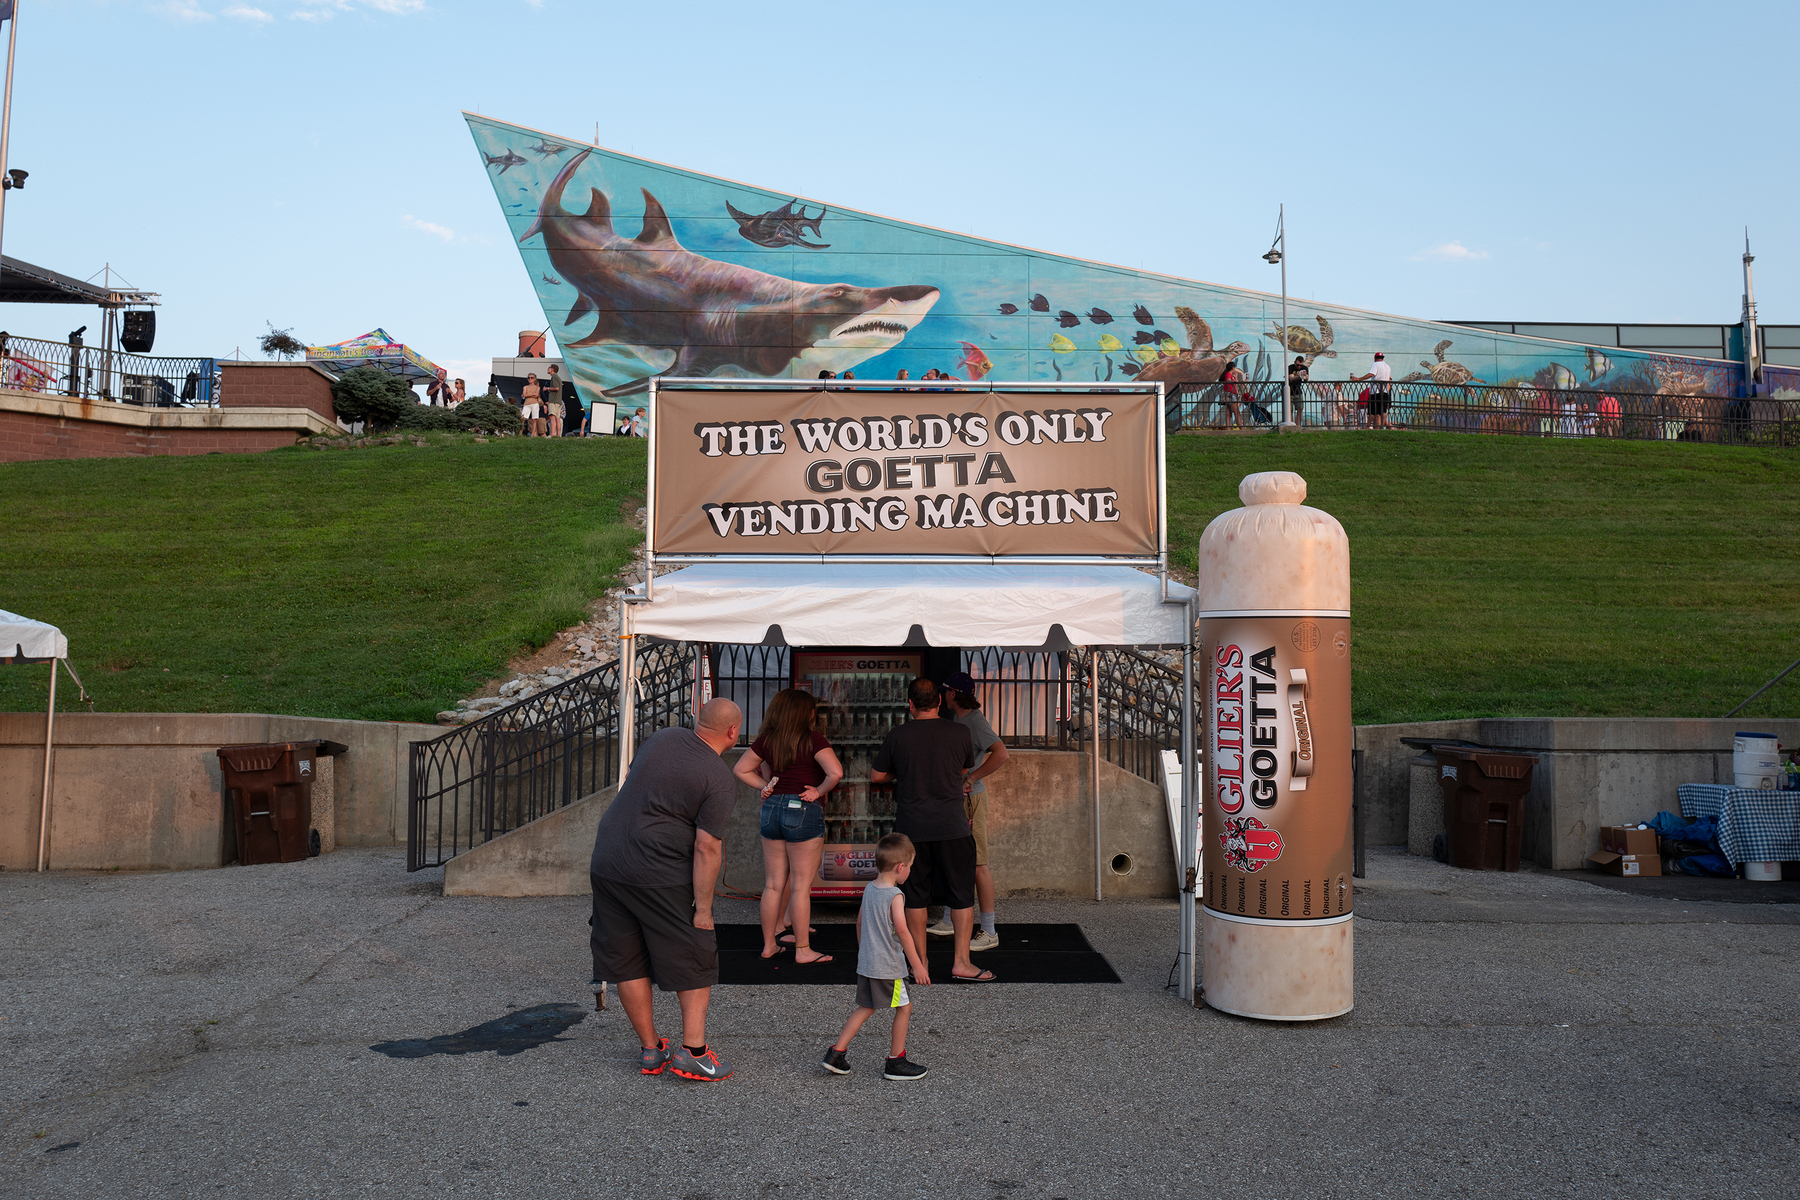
646	270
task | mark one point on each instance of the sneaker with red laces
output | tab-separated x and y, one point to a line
651	1061
705	1066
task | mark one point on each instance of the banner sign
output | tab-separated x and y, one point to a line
905	471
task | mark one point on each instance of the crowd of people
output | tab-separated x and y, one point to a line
659	849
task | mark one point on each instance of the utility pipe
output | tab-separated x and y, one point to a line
44	809
1094	695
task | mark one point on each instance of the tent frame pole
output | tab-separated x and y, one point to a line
44	807
1190	816
627	688
1094	699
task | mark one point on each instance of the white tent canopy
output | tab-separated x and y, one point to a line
34	641
880	604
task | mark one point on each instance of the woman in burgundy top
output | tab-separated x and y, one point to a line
793	766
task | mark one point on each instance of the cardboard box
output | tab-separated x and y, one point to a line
1623	839
1627	864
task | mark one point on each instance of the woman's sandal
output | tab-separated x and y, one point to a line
786	936
807	962
979	977
779	951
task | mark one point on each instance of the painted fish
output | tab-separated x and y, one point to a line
546	149
1143	315
1039	304
1110	343
506	161
784	226
651	292
1597	364
1007	310
975	361
1145	354
1129	367
1067	319
1099	316
1149	339
1169	346
1061	344
1562	377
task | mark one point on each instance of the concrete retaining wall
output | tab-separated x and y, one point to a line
142	791
1040	838
37	425
1592	771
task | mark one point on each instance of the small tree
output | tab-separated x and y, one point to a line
280	341
372	396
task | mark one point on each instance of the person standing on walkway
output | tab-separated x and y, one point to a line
1231	396
462	393
884	951
532	394
656	861
928	756
1297	374
553	401
1380	379
990	756
793	767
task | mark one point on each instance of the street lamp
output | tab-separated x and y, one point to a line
9	12
1277	256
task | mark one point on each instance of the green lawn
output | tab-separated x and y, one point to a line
1493	576
1501	576
380	583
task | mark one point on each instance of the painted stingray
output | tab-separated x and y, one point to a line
784	226
713	317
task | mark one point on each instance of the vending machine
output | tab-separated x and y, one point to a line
862	697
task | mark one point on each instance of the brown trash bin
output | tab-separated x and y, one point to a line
270	787
1484	805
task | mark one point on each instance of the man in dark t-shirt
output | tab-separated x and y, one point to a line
656	859
927	756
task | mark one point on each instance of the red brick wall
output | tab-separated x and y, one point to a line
275	385
28	437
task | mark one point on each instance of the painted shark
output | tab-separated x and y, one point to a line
716	317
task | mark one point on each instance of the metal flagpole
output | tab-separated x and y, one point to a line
9	10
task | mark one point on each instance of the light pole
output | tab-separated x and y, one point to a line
1752	355
1277	256
9	12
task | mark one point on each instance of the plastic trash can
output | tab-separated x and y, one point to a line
1484	805
270	787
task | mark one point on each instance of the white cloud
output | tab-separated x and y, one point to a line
442	231
1449	252
324	10
186	10
244	12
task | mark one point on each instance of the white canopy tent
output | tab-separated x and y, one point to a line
835	603
1010	605
23	640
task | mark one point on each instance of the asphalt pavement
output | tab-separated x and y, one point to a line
210	1032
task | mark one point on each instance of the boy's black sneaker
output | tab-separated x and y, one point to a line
835	1062
899	1068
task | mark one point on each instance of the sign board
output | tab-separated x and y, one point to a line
911	472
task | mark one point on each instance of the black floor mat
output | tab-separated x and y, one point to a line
1695	887
1027	954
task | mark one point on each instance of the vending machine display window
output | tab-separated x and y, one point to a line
861	696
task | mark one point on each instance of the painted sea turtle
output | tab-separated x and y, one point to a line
1447	374
1199	363
1301	341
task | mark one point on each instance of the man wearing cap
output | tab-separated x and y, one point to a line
990	756
1380	376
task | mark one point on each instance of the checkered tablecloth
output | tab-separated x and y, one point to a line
1754	825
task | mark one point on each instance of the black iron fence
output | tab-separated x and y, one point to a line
514	765
1478	408
91	372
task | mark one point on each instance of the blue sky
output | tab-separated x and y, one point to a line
306	163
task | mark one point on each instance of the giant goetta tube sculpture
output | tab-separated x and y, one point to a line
1274	633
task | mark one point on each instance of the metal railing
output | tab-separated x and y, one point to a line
1479	408
514	765
1140	710
91	372
499	772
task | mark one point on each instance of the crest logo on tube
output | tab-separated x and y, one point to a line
1249	844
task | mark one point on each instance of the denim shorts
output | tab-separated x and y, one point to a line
781	823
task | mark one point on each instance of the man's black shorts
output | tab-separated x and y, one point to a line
943	873
1379	403
648	933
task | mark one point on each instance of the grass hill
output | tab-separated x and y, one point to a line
1492	576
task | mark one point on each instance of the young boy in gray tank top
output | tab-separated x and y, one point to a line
884	951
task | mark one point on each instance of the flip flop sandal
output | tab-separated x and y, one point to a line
779	951
823	958
984	977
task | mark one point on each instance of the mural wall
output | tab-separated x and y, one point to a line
645	269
